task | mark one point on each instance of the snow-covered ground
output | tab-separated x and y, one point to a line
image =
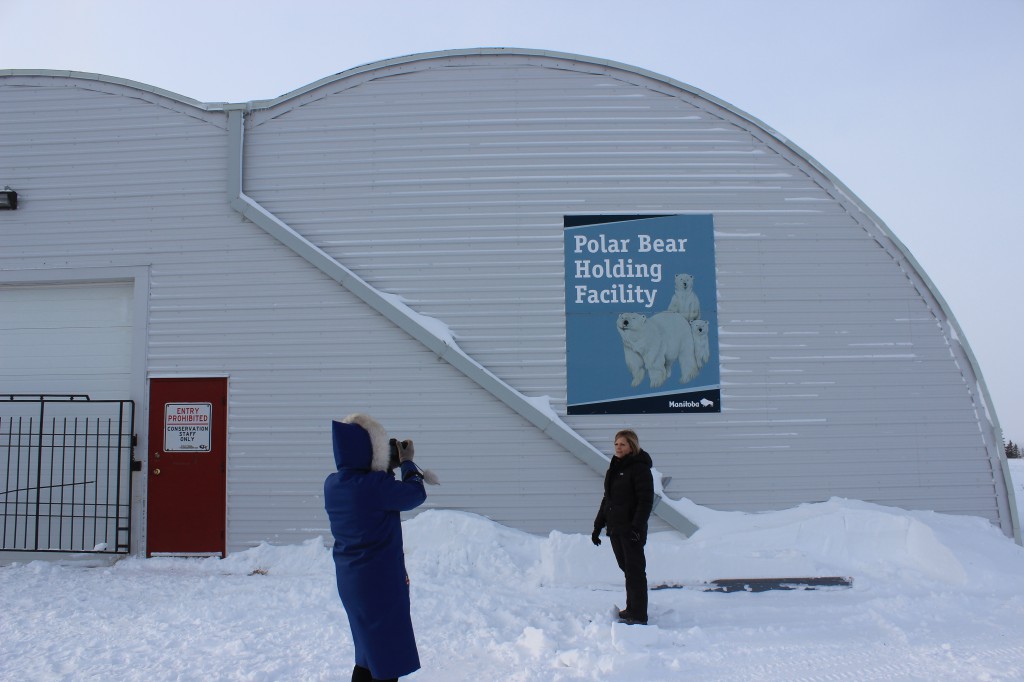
934	598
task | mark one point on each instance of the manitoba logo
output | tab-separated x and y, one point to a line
704	402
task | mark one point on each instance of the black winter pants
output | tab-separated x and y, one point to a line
631	559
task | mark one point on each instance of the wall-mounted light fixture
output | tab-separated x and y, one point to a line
8	199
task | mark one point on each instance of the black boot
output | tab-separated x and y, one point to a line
361	674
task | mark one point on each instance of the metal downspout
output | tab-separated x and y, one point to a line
406	319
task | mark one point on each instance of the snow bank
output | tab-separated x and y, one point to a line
934	597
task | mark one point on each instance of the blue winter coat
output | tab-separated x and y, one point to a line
363	501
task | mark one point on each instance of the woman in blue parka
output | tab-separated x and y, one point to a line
364	501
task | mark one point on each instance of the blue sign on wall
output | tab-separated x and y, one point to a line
641	314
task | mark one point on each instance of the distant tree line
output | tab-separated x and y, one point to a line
1012	450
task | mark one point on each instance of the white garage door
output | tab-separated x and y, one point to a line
66	339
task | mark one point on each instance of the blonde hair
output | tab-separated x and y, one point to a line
631	439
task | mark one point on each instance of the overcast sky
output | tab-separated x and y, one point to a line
916	105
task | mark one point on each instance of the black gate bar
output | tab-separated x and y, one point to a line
78	499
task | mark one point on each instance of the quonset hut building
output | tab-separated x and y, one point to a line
505	254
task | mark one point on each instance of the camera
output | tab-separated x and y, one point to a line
394	461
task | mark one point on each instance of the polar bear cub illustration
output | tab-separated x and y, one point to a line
685	300
701	347
655	344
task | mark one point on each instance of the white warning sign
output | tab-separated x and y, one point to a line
187	427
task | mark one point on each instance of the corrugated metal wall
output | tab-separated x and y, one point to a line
445	181
113	180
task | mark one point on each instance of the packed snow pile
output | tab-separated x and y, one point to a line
934	597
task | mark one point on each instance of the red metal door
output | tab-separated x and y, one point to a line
187	497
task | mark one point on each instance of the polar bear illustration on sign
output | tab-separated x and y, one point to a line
654	344
701	346
684	300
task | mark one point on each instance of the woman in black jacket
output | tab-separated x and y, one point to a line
625	508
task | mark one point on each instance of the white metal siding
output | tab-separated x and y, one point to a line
226	299
445	182
448	186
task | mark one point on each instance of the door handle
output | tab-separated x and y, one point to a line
156	472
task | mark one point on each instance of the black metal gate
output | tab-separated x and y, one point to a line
65	473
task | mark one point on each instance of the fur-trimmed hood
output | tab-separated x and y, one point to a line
360	442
